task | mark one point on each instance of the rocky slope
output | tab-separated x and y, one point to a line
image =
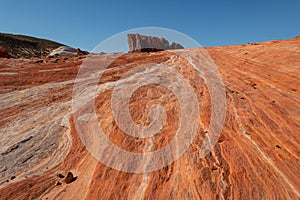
4	53
256	156
26	46
142	43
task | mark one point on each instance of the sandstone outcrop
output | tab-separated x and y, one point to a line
175	46
81	52
142	43
256	157
63	51
66	50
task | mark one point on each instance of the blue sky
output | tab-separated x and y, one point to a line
85	24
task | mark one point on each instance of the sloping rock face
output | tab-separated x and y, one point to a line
4	53
63	51
21	46
142	43
256	157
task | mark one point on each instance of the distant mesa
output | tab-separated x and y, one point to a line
176	46
142	43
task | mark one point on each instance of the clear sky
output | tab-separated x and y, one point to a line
85	24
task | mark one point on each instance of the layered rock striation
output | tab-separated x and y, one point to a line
21	46
256	156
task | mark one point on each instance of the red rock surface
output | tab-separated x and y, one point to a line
256	156
4	53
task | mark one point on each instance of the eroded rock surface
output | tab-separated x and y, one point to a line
142	43
256	157
63	51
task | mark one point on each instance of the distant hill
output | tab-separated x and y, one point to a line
26	46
